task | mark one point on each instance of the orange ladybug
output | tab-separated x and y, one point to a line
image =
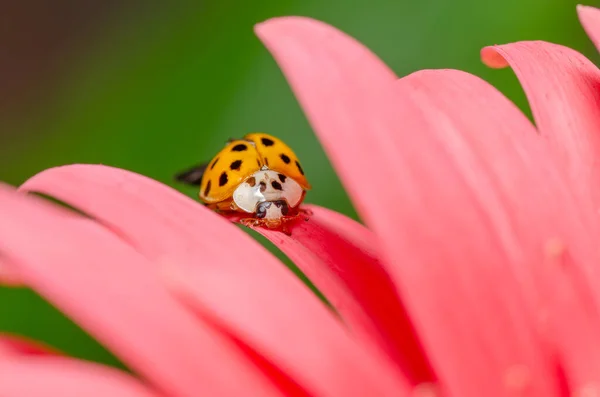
258	175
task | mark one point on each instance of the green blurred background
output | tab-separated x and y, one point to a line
156	87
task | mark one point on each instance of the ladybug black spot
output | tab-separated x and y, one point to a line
299	167
240	147
223	179
284	208
207	189
282	178
285	158
235	166
267	141
214	163
282	204
276	185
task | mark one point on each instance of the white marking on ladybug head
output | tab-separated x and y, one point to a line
267	185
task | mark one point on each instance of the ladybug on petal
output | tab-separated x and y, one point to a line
257	175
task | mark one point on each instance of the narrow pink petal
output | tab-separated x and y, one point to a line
54	376
449	158
336	79
115	294
19	345
590	19
339	256
173	229
252	304
562	87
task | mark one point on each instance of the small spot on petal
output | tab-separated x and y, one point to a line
543	318
588	390
517	378
555	248
425	389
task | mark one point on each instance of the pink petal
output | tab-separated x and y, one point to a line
590	19
113	292
19	345
445	171
174	229
54	376
562	87
335	79
470	188
339	256
251	303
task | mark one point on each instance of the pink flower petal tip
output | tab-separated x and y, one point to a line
491	57
590	19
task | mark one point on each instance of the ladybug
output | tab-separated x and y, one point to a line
258	175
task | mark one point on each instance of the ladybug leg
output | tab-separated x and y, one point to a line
285	229
282	223
272	224
251	222
223	206
305	211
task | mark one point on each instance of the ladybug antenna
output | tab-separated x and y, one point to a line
192	176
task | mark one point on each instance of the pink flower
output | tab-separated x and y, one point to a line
476	274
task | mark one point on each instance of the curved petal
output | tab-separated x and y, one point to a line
455	166
339	256
53	376
169	227
113	292
19	345
563	88
590	19
336	80
318	354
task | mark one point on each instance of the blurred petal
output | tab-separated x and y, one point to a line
53	376
336	80
339	256
590	19
563	88
19	345
253	304
174	229
113	292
